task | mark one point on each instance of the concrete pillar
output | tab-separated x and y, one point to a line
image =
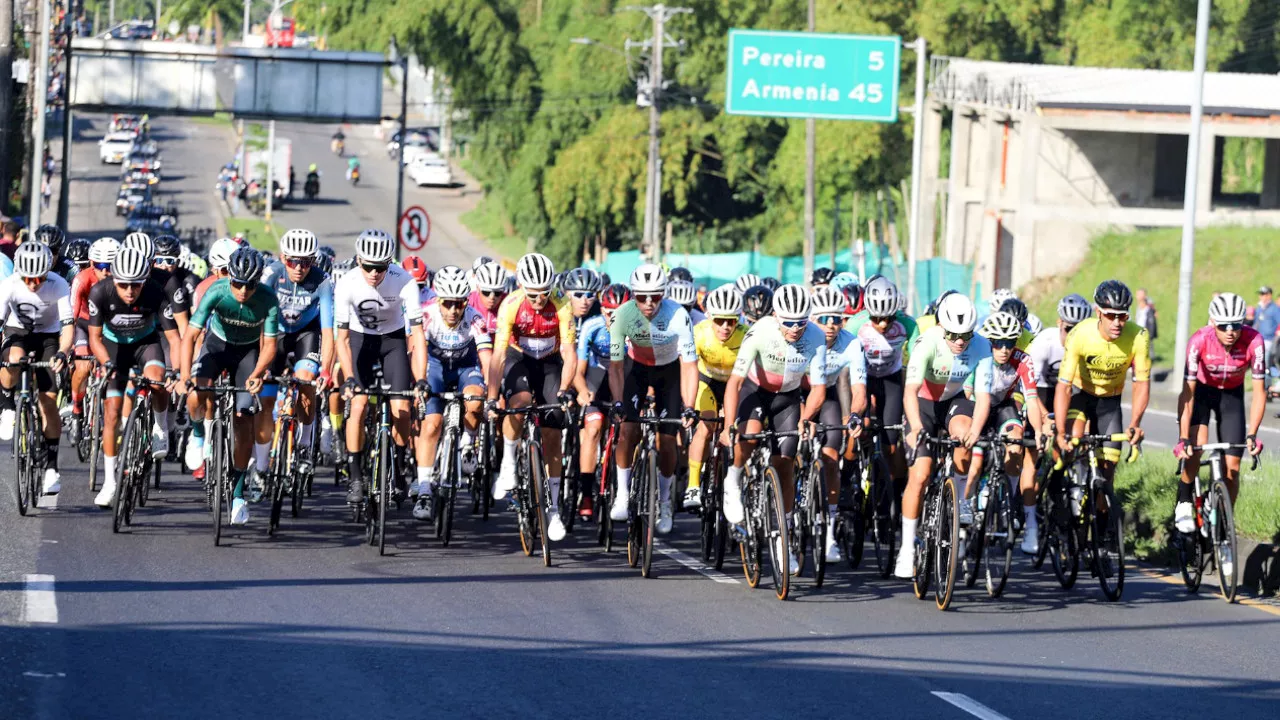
1270	199
930	167
1024	226
957	181
1205	175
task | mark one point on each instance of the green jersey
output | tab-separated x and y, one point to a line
234	322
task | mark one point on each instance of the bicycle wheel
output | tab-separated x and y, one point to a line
93	415
926	536
708	513
802	540
775	533
1107	538
538	483
281	462
524	503
604	501
884	533
997	538
947	546
23	462
650	528
453	476
444	461
1043	531
749	546
819	519
1222	533
385	482
638	491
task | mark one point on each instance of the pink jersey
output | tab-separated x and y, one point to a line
1210	363
490	317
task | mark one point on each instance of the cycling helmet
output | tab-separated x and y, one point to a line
141	242
535	272
771	283
1001	325
956	314
246	265
605	280
845	279
32	260
451	282
492	277
757	302
166	247
881	297
130	266
328	251
680	273
77	251
682	292
103	250
724	301
418	268
746	282
1226	308
827	300
52	236
375	246
1016	308
791	302
480	262
854	298
999	297
298	243
1113	295
648	278
614	296
822	276
1074	309
580	280
933	306
324	263
1034	324
220	252
267	256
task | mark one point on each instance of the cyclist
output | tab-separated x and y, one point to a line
101	254
378	321
127	316
757	302
778	352
686	296
884	333
35	312
655	334
1095	360
491	281
845	399
219	256
717	341
238	323
168	257
421	273
174	289
1218	357
590	382
55	239
1047	347
458	347
940	364
581	285
353	166
533	362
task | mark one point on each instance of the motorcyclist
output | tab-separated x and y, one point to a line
312	188
338	142
353	166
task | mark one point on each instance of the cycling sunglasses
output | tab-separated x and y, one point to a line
1004	344
299	262
882	320
374	269
241	285
725	321
1117	316
648	299
538	295
583	295
453	304
829	319
129	285
493	293
793	324
102	266
1230	327
958	337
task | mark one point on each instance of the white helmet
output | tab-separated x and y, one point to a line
999	296
881	298
32	260
1001	326
103	250
1034	324
827	300
492	277
648	278
141	242
535	272
220	252
1074	309
1226	308
956	314
746	282
451	282
375	246
299	243
791	302
130	265
724	301
682	292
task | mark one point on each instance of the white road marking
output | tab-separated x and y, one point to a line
694	564
40	604
969	705
48	502
34	674
1174	416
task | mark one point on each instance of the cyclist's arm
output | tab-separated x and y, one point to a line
326	326
618	351
99	349
569	359
266	355
844	393
813	402
1258	406
580	380
418	351
1186	404
67	319
732	388
1035	413
1141	377
342	346
189	340
687	351
689	382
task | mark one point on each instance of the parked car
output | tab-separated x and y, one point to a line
416	146
430	169
115	146
131	196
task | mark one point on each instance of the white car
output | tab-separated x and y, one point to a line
416	147
430	169
115	147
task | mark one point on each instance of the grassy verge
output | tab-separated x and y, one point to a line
489	221
220	118
259	232
1148	489
1228	259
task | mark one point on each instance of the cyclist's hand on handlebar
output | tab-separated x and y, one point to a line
1182	449
617	412
1255	447
349	388
724	437
180	386
1064	443
1135	435
58	361
855	426
491	408
913	437
689	416
972	436
323	382
253	384
565	398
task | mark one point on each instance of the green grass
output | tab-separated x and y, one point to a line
488	220
260	233
1227	259
220	118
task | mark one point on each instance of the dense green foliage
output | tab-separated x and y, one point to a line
554	129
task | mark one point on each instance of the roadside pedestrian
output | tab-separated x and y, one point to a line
1266	320
46	192
9	237
1144	315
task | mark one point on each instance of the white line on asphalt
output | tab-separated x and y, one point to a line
1174	416
694	564
41	605
48	502
969	705
34	674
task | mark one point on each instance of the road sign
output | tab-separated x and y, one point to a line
813	75
415	228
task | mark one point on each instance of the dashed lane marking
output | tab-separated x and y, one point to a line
969	705
40	604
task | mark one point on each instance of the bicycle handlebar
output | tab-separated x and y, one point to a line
1135	449
1222	447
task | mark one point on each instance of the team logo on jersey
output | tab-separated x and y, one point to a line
93	308
367	310
179	296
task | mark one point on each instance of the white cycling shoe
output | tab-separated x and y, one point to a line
905	567
506	480
664	518
1184	517
555	527
52	482
107	495
194	456
239	512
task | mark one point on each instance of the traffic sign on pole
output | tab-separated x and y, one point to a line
415	228
813	75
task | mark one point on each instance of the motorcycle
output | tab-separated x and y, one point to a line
355	176
338	146
312	187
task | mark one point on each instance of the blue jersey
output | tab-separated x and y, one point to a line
303	303
6	266
593	342
846	352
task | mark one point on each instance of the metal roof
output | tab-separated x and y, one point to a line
1027	88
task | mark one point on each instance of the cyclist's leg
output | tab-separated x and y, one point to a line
1230	414
1109	420
517	391
917	478
707	403
551	369
399	377
471	380
752	404
784	416
832	444
245	359
440	381
111	407
634	386
959	420
306	366
891	414
669	404
592	425
43	351
150	356
81	366
1205	400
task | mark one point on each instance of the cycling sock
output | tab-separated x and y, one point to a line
261	456
162	420
197	429
335	421
51	452
353	467
208	426
1185	491
468	439
1029	512
734	477
238	474
909	533
508	451
109	469
695	474
624	482
664	487
832	510
584	483
553	486
960	481
424	474
305	440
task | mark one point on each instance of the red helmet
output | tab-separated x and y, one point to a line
418	268
615	295
853	296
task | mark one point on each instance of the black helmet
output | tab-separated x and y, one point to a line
1014	307
52	236
1113	295
327	250
246	265
325	263
580	280
821	276
680	273
757	302
166	247
605	280
933	306
78	251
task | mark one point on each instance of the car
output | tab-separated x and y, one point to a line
146	148
115	146
152	219
142	161
140	175
430	169
123	121
131	196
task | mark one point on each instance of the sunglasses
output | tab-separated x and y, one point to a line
537	295
299	262
958	337
1003	344
453	304
241	285
1116	316
1230	327
166	261
725	322
129	285
102	266
793	324
493	293
374	269
648	299
829	319
583	295
882	320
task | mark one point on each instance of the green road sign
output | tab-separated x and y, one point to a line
813	75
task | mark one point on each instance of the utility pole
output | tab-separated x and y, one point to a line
64	188
1187	266
244	31
6	96
40	87
917	165
810	161
111	15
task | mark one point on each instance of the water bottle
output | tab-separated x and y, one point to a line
1077	499
983	492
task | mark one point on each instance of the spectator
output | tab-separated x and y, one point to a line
9	237
1266	320
46	191
1144	315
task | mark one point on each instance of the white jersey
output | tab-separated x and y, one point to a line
389	307
458	343
46	310
1046	353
